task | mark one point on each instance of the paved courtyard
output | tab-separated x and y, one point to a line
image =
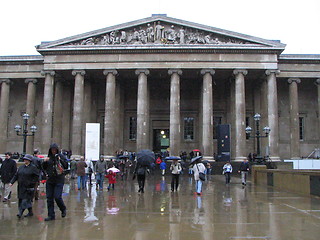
222	212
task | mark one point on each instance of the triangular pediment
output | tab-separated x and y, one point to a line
159	31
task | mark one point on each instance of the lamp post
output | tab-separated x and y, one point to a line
25	133
266	130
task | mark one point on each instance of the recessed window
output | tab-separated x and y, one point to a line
216	121
188	131
132	128
301	128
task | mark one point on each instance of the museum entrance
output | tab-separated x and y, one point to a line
161	140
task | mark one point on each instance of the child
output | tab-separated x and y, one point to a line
112	179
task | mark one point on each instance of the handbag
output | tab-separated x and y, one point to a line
202	176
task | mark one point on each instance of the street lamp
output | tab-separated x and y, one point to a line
266	131
25	133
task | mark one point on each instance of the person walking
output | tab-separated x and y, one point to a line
7	171
163	167
73	168
227	170
100	169
89	171
141	172
81	165
37	161
198	168
112	179
27	177
54	165
175	171
244	169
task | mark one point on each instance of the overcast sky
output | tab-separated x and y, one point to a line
25	24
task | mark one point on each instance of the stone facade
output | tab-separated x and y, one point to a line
162	74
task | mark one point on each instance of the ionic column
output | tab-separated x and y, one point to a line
66	117
240	114
175	111
47	109
57	116
77	112
207	110
109	119
317	82
142	110
30	109
4	107
294	118
273	119
87	104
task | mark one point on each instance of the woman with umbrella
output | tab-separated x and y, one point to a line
198	170
144	160
27	176
175	171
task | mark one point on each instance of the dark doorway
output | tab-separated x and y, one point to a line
160	140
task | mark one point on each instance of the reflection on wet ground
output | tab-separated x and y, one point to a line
222	212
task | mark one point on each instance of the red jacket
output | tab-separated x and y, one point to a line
111	177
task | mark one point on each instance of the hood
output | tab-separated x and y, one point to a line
53	145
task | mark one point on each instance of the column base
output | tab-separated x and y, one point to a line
238	159
208	158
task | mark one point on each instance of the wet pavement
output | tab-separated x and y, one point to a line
222	212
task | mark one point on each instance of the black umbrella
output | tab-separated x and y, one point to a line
123	156
193	160
145	157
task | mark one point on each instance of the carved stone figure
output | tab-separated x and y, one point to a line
142	36
135	35
123	37
159	32
171	34
150	33
105	40
181	36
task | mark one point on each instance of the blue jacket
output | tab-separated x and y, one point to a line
163	165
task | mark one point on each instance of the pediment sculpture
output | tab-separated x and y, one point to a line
158	33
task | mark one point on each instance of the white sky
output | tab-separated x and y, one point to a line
25	23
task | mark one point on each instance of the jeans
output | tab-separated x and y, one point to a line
54	193
228	177
81	182
198	186
244	175
100	178
175	182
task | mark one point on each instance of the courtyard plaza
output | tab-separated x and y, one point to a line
222	212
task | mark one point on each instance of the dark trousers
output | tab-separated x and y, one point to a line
228	177
174	182
54	193
141	180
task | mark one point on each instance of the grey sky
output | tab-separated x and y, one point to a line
25	24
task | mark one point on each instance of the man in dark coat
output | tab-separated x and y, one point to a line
7	171
54	165
27	176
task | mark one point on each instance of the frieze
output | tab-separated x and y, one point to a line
158	33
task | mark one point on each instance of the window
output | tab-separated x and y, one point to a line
301	128
188	131
216	121
133	128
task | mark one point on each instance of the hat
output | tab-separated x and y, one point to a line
28	157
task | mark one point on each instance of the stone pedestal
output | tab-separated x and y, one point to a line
77	123
240	114
47	110
294	118
142	110
30	109
109	119
207	110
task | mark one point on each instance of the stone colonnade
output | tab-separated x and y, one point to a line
52	131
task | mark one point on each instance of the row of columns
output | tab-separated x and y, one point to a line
143	111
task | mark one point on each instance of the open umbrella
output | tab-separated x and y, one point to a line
172	158
193	160
113	169
123	156
196	150
145	157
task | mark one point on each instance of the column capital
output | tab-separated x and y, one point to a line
112	71
208	70
270	71
5	80
238	71
145	71
32	80
81	72
317	82
291	80
43	73
172	71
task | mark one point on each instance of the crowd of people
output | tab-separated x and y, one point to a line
53	169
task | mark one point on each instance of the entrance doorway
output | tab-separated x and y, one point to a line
161	140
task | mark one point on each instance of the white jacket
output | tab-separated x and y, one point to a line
195	168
